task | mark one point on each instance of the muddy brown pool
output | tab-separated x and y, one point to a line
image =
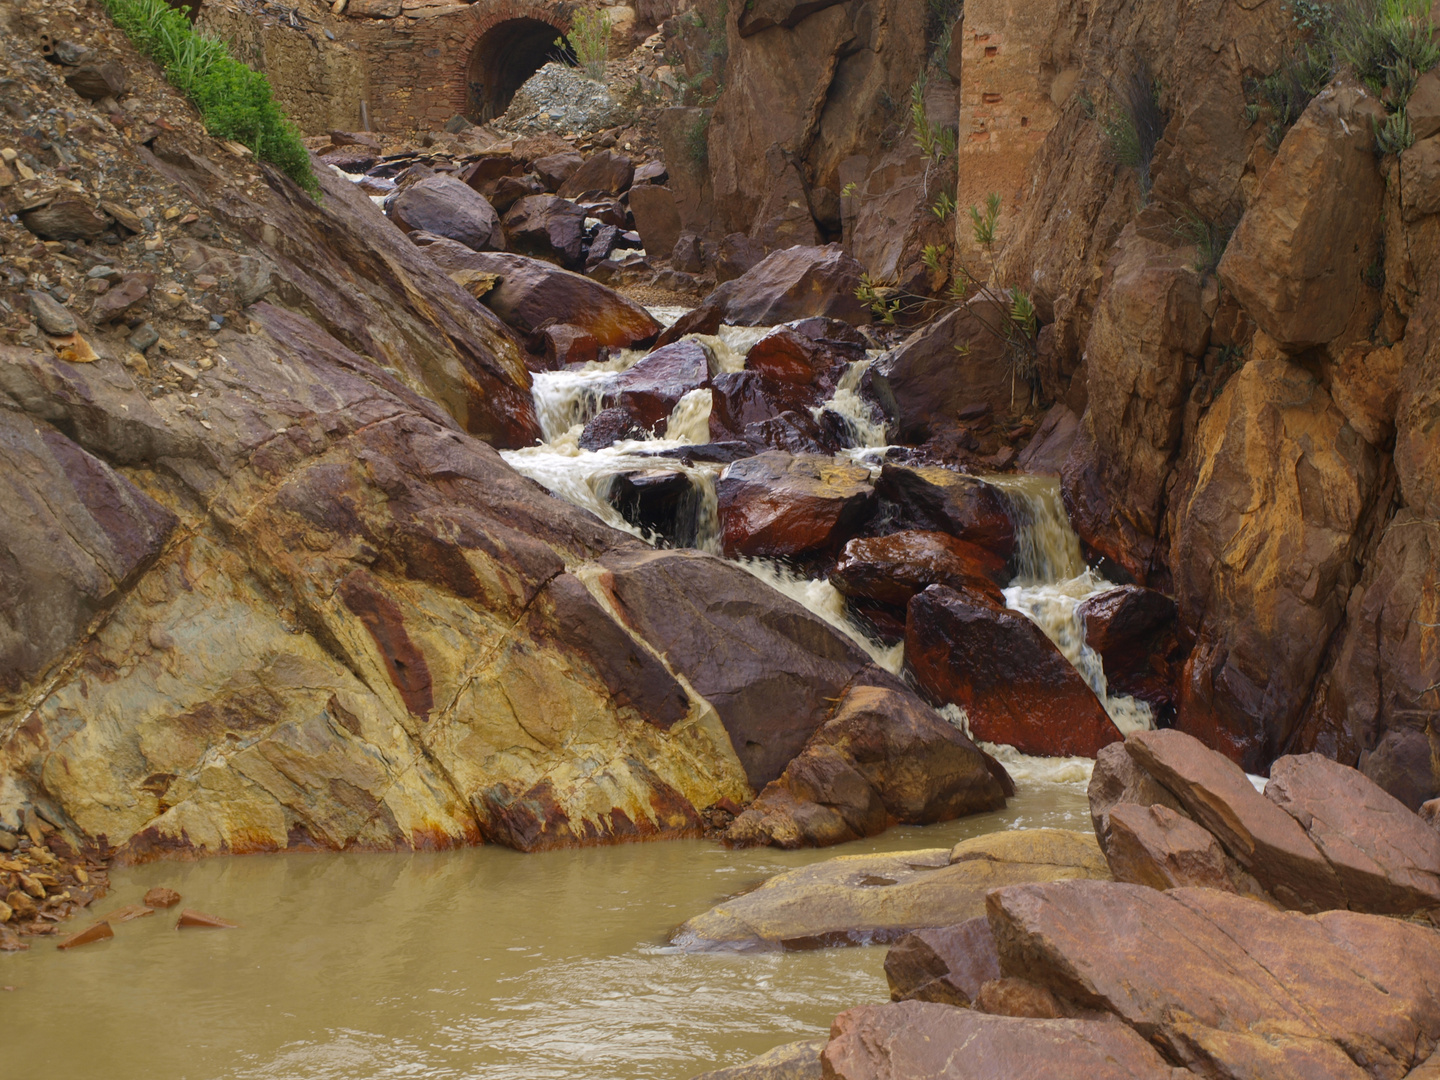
480	963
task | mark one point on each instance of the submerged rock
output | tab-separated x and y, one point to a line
793	1061
869	899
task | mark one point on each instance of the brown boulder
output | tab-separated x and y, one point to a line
788	355
1116	780
532	293
884	758
793	1061
566	344
1155	846
450	208
1229	986
945	964
67	217
609	426
1386	859
656	218
651	388
1420	179
546	227
1296	258
778	505
771	669
1013	683
699	320
94	82
1136	633
960	360
554	169
891	569
604	171
943	500
511	189
921	1040
122	300
1265	840
795	283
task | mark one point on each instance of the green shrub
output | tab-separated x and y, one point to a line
590	35
1389	43
235	101
1303	73
697	140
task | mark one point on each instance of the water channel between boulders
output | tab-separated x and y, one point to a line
491	964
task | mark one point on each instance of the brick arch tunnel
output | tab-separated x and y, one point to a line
505	49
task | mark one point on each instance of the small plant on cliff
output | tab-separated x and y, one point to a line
697	140
1135	123
1209	237
235	101
1284	94
589	35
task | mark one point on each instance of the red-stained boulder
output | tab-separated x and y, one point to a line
547	227
785	355
884	758
696	321
655	385
1013	683
532	293
1136	632
778	504
946	964
891	569
944	500
450	208
604	171
794	283
738	399
101	931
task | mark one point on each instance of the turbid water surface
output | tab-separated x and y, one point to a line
481	963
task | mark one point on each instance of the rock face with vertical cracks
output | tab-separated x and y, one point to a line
1266	529
325	616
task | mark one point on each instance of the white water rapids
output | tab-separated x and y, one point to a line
1051	578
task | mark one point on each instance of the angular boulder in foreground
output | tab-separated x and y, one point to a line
794	283
1228	986
921	1040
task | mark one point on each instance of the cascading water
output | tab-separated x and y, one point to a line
1052	580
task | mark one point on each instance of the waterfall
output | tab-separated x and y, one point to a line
1052	580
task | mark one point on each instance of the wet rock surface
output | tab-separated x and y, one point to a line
779	504
1015	686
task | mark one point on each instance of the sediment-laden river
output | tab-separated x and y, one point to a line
480	963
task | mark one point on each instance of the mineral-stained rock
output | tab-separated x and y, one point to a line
793	1061
1155	846
450	208
532	292
1295	260
794	283
1230	986
566	344
883	758
891	569
75	536
199	919
948	501
787	355
554	169
604	171
547	227
776	504
921	1040
1015	686
1386	859
1265	840
865	899
1266	526
947	964
651	388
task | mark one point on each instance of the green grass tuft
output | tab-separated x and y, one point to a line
235	101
